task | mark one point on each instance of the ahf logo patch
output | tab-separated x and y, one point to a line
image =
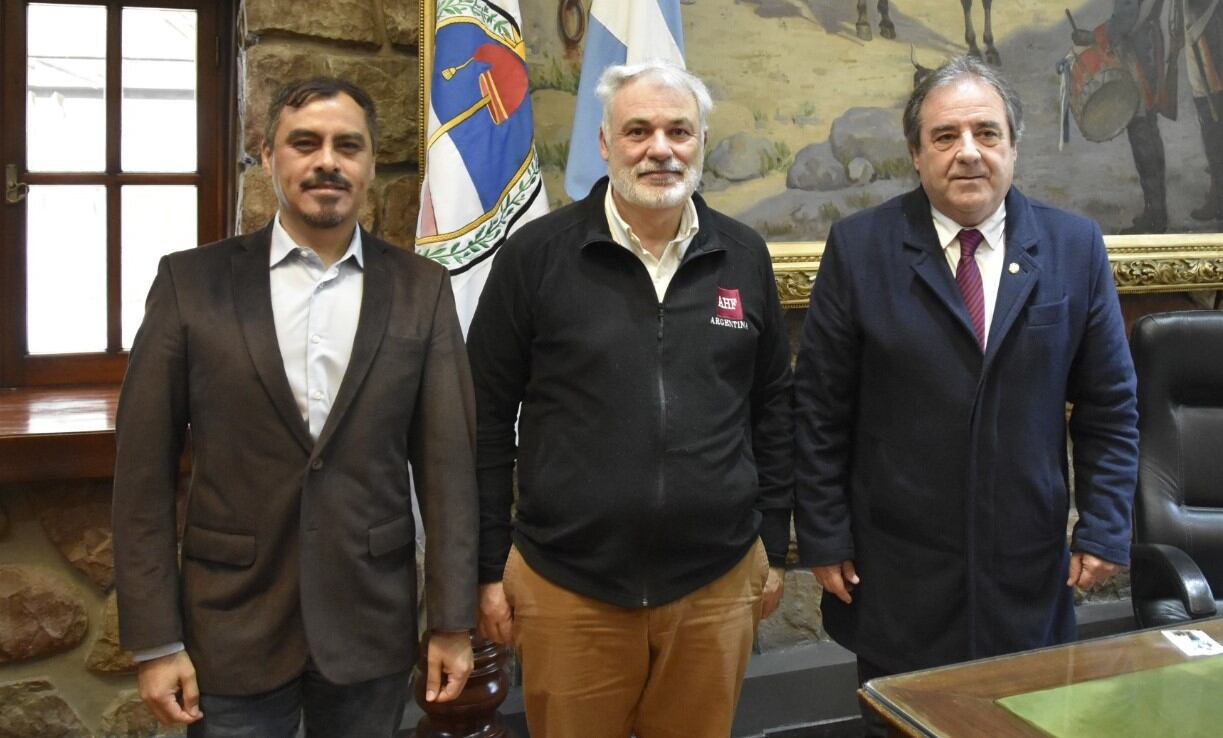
729	310
729	306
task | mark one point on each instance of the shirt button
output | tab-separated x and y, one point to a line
315	338
316	464
318	394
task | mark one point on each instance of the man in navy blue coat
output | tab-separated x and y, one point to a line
932	396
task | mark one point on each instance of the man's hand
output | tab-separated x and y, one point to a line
449	656
774	588
168	688
1086	571
496	621
839	579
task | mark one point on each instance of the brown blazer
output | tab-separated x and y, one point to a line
293	547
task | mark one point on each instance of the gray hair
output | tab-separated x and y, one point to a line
669	75
953	71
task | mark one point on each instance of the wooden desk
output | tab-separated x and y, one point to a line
57	433
959	700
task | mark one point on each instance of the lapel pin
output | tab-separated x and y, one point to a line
1013	268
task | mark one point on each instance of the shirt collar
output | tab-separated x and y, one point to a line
622	232
283	246
991	228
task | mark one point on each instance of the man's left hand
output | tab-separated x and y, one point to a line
449	655
1086	571
774	587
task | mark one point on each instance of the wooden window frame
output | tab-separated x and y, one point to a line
214	179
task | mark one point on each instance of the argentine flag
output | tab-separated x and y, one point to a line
482	176
619	32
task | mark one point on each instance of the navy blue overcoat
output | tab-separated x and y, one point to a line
941	470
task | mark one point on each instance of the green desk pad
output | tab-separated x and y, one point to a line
1179	701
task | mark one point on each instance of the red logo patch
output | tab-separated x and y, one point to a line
729	306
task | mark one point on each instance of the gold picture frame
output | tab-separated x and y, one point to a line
1169	262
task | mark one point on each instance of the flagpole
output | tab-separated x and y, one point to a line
424	67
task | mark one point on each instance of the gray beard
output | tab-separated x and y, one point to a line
625	183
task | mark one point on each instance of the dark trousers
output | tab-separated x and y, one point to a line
1147	146
363	710
873	723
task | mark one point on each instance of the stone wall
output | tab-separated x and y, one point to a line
371	42
62	673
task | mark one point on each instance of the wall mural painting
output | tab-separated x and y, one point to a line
1123	106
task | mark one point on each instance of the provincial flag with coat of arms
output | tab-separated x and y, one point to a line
482	175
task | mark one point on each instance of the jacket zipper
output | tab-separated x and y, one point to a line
662	453
662	425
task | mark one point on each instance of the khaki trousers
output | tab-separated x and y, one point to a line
594	670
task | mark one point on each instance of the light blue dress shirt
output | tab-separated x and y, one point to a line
316	310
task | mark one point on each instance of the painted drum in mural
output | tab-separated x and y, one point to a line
1103	94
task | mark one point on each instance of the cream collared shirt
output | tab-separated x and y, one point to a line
661	269
989	257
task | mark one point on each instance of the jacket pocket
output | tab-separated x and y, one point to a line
1049	313
390	536
234	549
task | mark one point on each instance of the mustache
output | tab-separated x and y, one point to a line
330	179
671	166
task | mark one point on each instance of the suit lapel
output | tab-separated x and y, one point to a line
1014	288
253	300
928	259
371	326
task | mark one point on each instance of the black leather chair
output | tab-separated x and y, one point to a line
1177	568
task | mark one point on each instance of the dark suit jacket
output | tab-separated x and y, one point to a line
942	471
293	547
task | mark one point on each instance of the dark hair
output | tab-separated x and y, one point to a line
298	93
957	68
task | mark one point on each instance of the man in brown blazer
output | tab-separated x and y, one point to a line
313	364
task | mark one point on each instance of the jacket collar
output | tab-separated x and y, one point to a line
590	211
253	301
376	297
1013	288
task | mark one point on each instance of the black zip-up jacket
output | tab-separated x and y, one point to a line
655	438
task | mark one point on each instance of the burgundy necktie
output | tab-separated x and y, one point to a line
968	276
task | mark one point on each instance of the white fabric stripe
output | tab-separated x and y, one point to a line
456	202
640	27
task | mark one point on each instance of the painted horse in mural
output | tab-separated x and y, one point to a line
887	29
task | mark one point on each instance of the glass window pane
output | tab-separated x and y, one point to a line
66	269
158	129
66	88
157	219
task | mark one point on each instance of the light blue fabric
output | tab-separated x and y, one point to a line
619	32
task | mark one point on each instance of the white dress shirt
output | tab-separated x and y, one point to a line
663	268
316	309
989	257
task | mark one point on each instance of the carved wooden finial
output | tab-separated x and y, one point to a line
474	713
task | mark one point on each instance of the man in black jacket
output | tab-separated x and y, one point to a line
636	339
